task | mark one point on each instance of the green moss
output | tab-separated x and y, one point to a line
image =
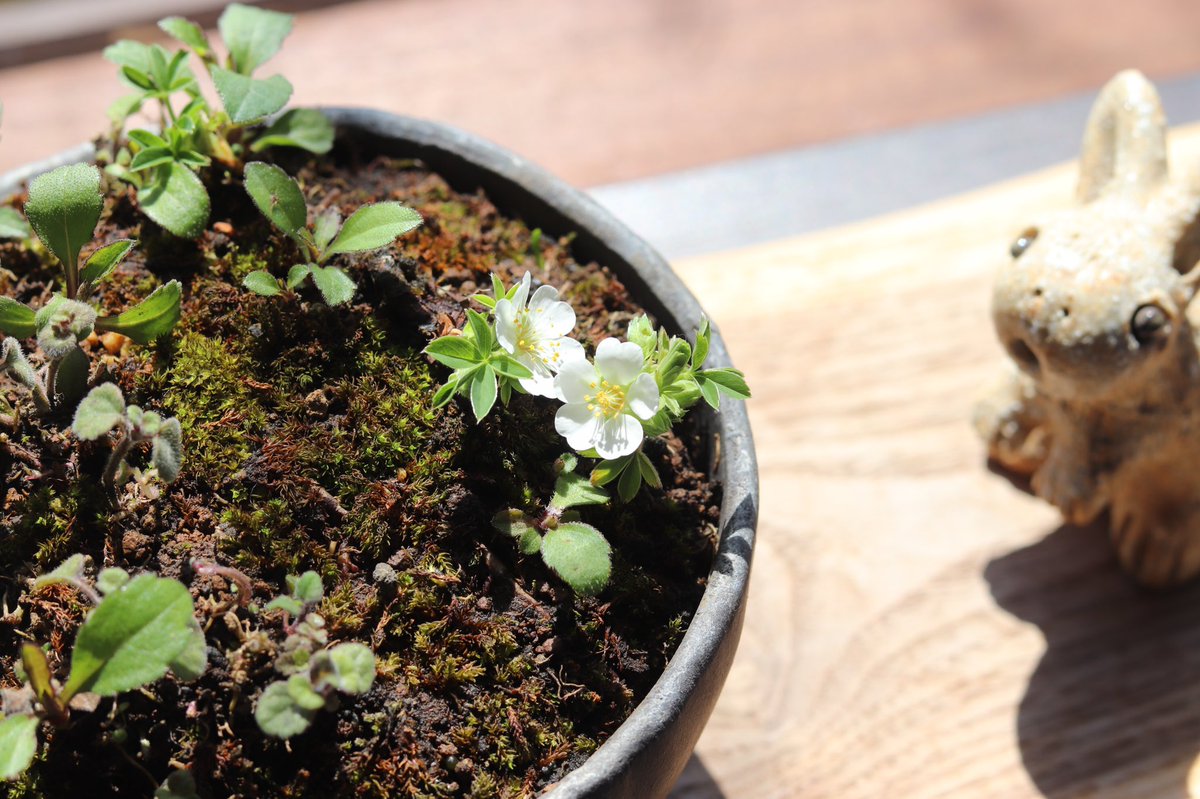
50	526
207	390
268	540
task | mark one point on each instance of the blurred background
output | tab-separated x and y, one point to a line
605	93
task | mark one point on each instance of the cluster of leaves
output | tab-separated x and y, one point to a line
278	196
64	208
314	673
162	166
482	369
139	629
678	369
104	408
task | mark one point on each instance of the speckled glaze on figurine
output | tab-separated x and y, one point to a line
1096	311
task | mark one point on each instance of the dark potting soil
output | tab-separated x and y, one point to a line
310	443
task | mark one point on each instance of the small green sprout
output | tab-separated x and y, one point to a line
64	208
578	553
141	628
278	196
104	408
162	166
314	673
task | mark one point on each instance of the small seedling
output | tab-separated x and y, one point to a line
577	552
314	673
64	207
281	201
162	167
103	409
139	629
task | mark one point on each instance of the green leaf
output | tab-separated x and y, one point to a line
580	555
261	282
69	571
306	588
506	366
710	392
677	356
334	284
297	273
252	35
14	360
132	637
12	224
325	227
190	663
374	226
18	744
151	157
37	672
649	473
278	714
128	53
16	319
110	579
444	393
301	690
100	411
64	206
353	668
287	604
703	336
187	32
630	483
124	107
483	392
250	99
146	138
277	195
177	200
479	331
167	451
730	382
454	351
572	490
179	785
152	317
641	332
101	263
608	470
306	128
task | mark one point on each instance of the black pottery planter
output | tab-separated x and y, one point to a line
646	754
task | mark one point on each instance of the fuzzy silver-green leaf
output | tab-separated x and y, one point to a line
100	411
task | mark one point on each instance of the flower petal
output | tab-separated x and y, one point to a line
617	437
559	352
642	396
551	316
618	362
577	425
541	385
506	325
576	379
522	292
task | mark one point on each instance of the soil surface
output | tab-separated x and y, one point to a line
310	443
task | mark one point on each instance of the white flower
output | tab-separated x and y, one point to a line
605	401
536	336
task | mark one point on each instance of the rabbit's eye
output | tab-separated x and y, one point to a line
1149	324
1023	241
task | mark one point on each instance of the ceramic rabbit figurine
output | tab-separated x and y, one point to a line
1095	309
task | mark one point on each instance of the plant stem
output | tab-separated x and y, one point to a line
114	461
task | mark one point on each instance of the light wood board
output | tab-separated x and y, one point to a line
919	626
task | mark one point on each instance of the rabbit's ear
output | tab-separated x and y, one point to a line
1125	144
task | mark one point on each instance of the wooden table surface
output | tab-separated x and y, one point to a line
920	627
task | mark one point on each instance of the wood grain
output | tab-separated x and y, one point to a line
918	626
603	92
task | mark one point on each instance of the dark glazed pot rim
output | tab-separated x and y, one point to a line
645	755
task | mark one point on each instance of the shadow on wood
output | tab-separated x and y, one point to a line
696	783
1113	707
